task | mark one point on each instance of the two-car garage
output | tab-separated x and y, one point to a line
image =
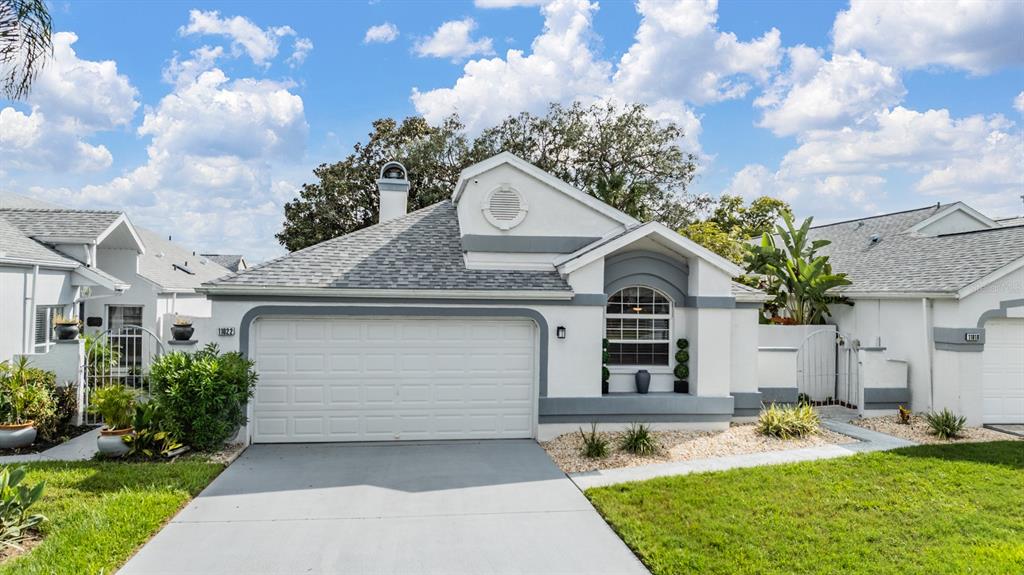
329	378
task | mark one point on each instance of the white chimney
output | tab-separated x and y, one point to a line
394	191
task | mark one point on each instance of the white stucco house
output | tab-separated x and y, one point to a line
483	316
95	265
942	289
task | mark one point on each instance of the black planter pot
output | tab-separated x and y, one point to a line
604	387
66	331
643	381
182	332
680	386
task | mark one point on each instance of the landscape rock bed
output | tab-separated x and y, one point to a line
739	439
919	431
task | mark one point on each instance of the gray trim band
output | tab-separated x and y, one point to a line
636	418
894	395
748	305
647	268
623	404
778	348
746	403
306	310
1001	312
707	301
525	244
586	299
598	299
955	339
779	394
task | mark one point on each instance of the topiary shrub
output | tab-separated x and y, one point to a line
682	368
606	374
203	394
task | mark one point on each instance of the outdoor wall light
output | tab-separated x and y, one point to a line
560	332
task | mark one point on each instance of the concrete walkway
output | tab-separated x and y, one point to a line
446	508
79	448
869	441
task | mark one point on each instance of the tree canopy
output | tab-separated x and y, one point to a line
731	223
619	154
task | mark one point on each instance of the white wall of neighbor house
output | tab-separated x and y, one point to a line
551	213
16	291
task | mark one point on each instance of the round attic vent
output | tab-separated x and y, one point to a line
505	208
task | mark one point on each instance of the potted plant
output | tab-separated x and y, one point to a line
643	381
682	369
116	404
23	392
65	328
182	329
606	374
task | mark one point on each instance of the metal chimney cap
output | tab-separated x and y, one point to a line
393	171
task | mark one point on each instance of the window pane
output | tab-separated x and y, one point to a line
638	353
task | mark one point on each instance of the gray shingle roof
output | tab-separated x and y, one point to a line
16	246
229	261
49	222
906	262
158	264
420	250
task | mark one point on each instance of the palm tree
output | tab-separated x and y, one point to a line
25	44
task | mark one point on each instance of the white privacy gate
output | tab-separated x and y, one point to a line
827	371
120	356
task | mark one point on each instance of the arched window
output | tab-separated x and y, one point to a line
638	324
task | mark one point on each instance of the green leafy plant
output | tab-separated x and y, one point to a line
115	404
638	440
101	356
803	399
595	446
25	392
795	274
682	368
150	440
606	374
681	371
903	416
945	424
203	394
787	421
16	501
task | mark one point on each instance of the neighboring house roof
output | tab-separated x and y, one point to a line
172	268
746	293
232	262
41	223
418	251
901	262
16	247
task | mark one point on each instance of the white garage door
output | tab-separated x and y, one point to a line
1003	385
359	379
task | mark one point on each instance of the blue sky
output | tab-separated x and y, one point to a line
201	119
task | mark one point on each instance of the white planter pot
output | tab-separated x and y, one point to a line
111	442
15	436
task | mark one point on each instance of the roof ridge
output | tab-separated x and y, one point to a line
967	232
69	210
931	207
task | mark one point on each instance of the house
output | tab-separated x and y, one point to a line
95	265
483	316
233	262
941	288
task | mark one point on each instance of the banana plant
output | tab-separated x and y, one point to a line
799	278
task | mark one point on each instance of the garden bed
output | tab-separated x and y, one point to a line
919	431
739	439
40	445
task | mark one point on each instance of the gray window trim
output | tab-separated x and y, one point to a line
354	311
999	313
954	339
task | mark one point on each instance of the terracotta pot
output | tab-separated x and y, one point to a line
111	441
17	435
182	332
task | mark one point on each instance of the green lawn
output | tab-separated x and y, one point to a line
932	509
100	513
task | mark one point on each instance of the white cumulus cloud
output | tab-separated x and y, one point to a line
1018	103
381	33
453	39
976	36
260	44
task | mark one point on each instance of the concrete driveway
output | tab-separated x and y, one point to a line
446	508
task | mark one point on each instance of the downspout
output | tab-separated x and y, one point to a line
30	313
927	316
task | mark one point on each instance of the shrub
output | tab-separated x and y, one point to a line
903	416
594	445
25	392
803	399
681	371
638	440
57	423
16	501
115	404
150	440
787	422
946	424
203	394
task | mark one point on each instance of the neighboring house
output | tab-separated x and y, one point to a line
483	316
232	262
941	288
92	264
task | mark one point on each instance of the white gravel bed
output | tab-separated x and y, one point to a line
739	439
919	431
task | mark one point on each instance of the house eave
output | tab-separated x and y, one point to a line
897	295
32	263
386	293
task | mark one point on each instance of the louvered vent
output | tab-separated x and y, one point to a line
505	208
